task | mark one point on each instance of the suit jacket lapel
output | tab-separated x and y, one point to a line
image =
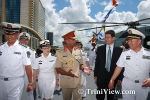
113	54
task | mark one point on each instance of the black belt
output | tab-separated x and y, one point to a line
135	81
8	79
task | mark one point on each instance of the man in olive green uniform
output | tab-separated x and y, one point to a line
69	62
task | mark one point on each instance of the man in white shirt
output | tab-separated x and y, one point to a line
136	63
13	57
24	38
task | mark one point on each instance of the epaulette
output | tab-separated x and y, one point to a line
32	49
23	45
2	43
147	49
126	50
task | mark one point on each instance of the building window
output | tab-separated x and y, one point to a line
12	11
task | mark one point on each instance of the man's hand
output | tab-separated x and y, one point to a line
119	82
87	70
29	88
95	78
34	86
57	82
146	83
70	73
111	84
89	67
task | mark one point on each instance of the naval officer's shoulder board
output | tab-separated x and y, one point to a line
2	43
126	50
23	45
147	49
31	49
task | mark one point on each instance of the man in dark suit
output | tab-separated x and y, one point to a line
107	56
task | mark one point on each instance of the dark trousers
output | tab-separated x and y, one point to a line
103	88
34	94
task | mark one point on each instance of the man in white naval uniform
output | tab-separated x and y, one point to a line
13	58
136	62
24	38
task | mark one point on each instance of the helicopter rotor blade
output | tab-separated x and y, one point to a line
92	23
98	27
143	19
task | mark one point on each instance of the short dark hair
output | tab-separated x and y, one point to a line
111	32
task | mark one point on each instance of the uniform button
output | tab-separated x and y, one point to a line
136	76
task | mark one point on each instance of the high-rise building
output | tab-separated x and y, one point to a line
49	37
12	11
0	11
30	13
39	16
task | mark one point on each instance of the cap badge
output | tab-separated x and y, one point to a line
45	42
9	26
130	32
24	34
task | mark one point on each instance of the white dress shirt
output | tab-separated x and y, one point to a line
13	59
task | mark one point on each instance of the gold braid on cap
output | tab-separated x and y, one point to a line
71	60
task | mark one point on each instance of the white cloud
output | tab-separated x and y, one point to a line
104	3
79	11
143	9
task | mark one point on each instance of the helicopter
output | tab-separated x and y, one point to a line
142	25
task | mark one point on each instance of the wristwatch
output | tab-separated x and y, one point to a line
30	84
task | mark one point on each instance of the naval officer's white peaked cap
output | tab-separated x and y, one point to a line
133	33
24	35
44	43
10	28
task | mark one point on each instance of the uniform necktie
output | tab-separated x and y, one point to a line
108	59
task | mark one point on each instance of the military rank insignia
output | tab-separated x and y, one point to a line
40	62
28	54
146	57
0	53
18	53
128	57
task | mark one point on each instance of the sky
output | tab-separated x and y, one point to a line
58	11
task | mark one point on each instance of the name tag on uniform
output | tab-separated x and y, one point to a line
128	57
19	53
40	63
146	57
65	56
51	61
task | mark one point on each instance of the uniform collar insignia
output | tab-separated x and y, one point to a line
74	48
65	49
